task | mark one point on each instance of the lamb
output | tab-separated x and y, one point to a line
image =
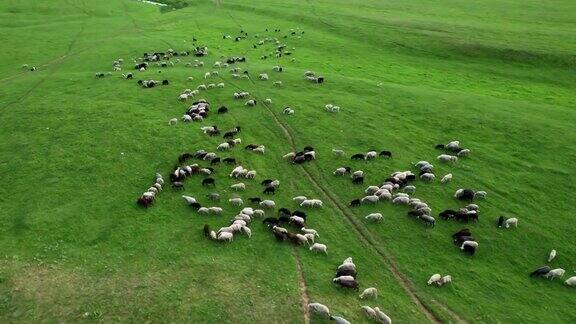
551	256
223	147
376	217
369	293
555	273
172	121
511	222
268	204
236	201
309	231
434	279
278	83
447	158
319	309
480	194
447	178
317	247
238	186
445	280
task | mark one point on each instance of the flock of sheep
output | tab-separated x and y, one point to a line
291	226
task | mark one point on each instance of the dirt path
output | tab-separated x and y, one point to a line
304	298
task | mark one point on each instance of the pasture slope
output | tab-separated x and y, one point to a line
76	152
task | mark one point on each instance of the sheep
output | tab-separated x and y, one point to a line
268	101
409	189
555	273
268	203
511	222
341	171
279	229
371	155
250	174
220	85
427	177
310	238
369	199
447	158
371	190
319	309
480	195
338	153
445	280
357	174
289	156
369	312
447	178
172	121
259	150
223	147
339	320
541	271
238	186
277	83
317	247
570	281
429	220
236	201
551	256
299	199
263	77
258	213
288	111
250	103
376	217
454	145
382	317
215	210
309	231
434	279
201	87
225	236
369	293
472	244
401	200
203	210
189	200
464	152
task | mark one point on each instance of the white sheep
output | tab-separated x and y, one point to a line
445	280
268	101
206	75
278	83
225	236
469	243
376	217
250	174
310	238
299	199
480	194
223	147
238	186
555	273
454	145
427	177
340	171
369	293
220	85
571	281
172	121
319	309
263	77
357	174
215	210
447	158
369	312
189	200
382	317
371	190
511	222
250	103
203	210
434	279
464	152
552	255
246	230
409	189
338	153
371	155
268	203
259	150
289	156
236	201
309	231
370	199
447	178
402	200
317	247
259	213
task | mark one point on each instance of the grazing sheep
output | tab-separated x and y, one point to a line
480	194
246	230
268	204
402	200
382	317
371	190
289	156
376	217
299	199
511	222
339	320
555	273
236	201
341	171
463	152
541	271
319	309
445	280
268	101
215	210
447	158
223	147
472	244
571	281
370	199
409	189
429	220
172	121
278	83
225	236
250	103
371	155
309	231
427	177
317	247
189	200
369	312
338	153
447	178
238	186
263	77
434	279
551	256
369	293
454	145
203	210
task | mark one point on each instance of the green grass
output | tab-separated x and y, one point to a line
498	75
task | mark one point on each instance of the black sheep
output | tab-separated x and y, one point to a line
165	82
223	110
215	161
145	201
255	200
446	214
299	159
229	160
270	190
206	230
358	156
266	182
184	157
270	221
466	194
195	205
348	284
299	214
177	185
386	154
462	232
284	211
208	181
251	146
501	221
358	180
355	203
346	272
540	271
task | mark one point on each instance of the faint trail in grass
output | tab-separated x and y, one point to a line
313	10
305	299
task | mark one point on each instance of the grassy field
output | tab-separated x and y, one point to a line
76	152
